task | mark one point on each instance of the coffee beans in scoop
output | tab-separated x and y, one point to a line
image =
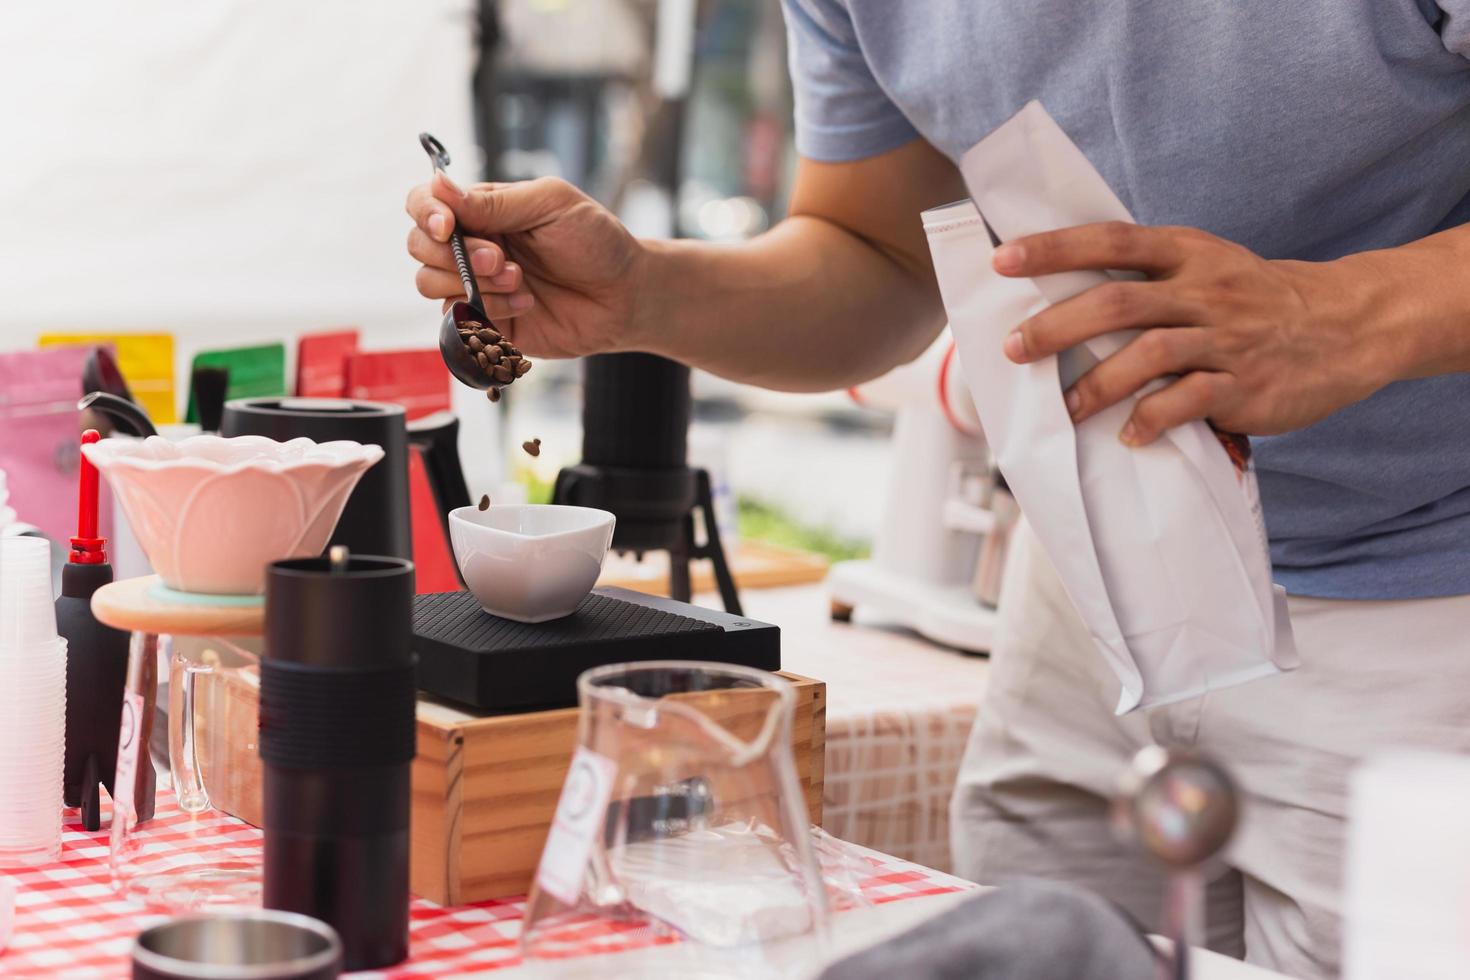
500	361
532	447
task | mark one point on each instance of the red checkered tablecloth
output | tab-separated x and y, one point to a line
70	923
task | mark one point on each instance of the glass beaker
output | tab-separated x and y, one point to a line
190	854
681	828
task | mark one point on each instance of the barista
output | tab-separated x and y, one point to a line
1299	175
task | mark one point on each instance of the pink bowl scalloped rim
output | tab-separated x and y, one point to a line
212	512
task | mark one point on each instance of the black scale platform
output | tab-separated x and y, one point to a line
494	664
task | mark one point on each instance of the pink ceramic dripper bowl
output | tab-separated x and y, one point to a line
212	512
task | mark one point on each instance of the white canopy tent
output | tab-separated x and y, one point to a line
228	171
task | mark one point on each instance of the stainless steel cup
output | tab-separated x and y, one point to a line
261	945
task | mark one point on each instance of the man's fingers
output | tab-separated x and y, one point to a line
503	295
428	212
1197	395
1102	309
486	258
498	308
491	209
1152	354
1107	245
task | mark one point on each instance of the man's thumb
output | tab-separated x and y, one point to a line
490	209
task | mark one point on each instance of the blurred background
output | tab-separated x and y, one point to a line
234	173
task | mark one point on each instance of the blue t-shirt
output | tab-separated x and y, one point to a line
1302	129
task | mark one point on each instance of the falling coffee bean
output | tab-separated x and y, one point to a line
493	394
485	502
532	447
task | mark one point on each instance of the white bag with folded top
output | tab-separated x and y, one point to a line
1161	548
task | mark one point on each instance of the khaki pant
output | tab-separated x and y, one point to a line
1033	792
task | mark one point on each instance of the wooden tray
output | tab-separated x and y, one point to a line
754	565
484	788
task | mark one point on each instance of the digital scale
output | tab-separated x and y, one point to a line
497	665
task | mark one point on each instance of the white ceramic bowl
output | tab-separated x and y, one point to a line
530	562
211	513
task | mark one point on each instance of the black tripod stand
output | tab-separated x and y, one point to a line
635	426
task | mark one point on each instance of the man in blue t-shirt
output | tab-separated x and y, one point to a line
1301	177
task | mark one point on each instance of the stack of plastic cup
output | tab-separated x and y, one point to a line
32	705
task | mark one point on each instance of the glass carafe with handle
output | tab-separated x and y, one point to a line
194	852
681	831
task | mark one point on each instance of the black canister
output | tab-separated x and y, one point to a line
376	519
635	433
337	740
635	412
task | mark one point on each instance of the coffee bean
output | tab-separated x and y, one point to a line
474	344
506	347
493	354
502	373
483	361
532	447
493	394
471	325
488	336
522	367
485	500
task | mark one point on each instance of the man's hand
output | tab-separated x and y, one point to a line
568	288
837	293
1255	346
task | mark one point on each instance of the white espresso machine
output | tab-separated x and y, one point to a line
939	551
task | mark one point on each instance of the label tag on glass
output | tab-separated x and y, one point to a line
578	821
124	784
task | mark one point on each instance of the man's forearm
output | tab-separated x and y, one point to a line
807	306
1415	299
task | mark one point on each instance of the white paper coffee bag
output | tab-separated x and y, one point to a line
1161	548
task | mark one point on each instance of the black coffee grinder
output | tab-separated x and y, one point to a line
337	741
635	463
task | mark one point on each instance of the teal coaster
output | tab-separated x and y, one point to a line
163	593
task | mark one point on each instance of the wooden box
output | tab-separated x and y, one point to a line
484	788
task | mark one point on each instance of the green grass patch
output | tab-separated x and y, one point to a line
769	524
538	491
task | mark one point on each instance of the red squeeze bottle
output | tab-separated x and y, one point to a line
87	548
96	660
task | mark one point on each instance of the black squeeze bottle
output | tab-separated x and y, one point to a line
96	660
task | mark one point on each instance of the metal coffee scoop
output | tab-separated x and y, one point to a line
457	357
1181	809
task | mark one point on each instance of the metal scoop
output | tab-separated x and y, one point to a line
1181	809
457	357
